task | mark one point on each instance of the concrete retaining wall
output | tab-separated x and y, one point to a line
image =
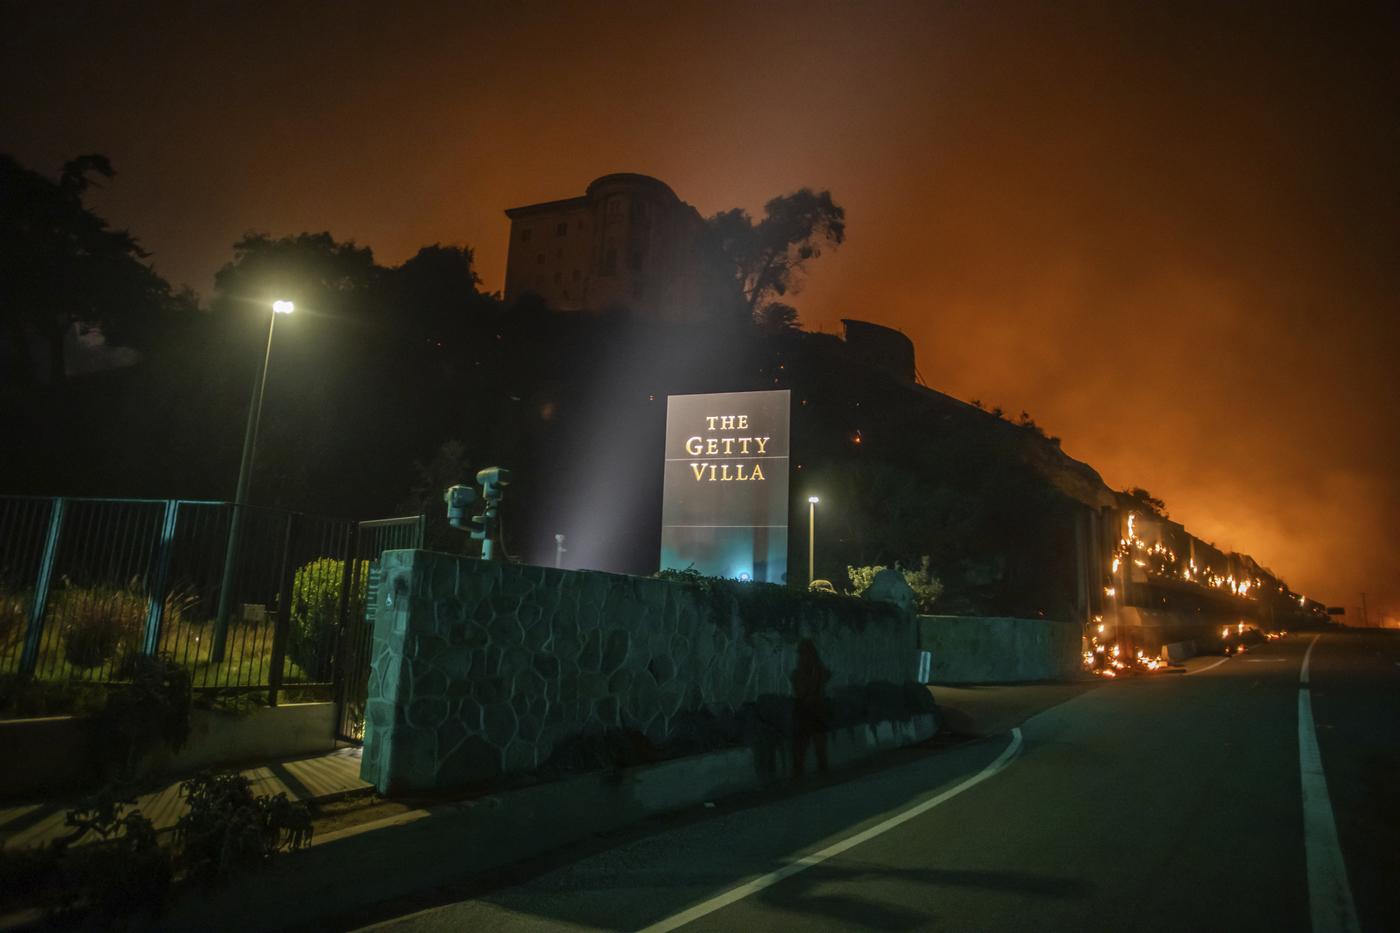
49	754
1150	629
482	669
990	650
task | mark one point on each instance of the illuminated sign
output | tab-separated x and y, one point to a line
724	509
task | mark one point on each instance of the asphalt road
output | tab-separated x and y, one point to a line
1171	802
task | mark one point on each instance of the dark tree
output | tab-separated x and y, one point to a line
767	258
777	318
319	274
437	290
62	266
1148	501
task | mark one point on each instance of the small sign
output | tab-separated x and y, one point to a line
1336	611
925	666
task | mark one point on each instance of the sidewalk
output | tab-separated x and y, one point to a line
984	710
321	777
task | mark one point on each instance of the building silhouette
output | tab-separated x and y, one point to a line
628	242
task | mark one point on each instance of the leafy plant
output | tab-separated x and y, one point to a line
316	595
14	620
153	709
228	829
927	588
100	623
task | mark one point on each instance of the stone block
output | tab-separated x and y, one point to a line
499	722
662	668
547	665
670	698
489	690
591	657
382	714
520	757
448	613
430	683
644	699
469	635
589	617
468	713
606	711
484	613
615	650
620	682
514	661
428	647
592	686
471	761
427	712
455	664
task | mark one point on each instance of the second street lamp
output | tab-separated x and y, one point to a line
811	538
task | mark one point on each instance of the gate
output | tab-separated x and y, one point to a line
356	643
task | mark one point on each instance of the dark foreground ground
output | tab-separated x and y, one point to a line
1171	802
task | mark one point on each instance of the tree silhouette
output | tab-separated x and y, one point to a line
767	258
777	318
62	266
313	270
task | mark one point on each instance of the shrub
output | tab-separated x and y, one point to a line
228	829
927	588
316	594
153	709
98	622
14	620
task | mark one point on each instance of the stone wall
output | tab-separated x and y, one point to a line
986	650
483	669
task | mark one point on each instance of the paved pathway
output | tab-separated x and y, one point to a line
315	778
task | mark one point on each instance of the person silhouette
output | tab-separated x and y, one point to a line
811	715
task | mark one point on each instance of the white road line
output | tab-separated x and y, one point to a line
1329	893
850	842
1202	670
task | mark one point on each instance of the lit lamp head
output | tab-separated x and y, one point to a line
813	499
283	307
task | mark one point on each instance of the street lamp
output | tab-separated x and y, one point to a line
240	495
811	538
250	437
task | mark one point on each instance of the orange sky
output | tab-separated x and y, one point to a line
1170	233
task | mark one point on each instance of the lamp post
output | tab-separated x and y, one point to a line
245	478
250	437
811	538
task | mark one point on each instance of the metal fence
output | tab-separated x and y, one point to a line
372	539
245	598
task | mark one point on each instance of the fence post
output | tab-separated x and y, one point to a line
35	632
155	614
350	574
284	616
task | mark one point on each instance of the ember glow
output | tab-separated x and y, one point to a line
1160	222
